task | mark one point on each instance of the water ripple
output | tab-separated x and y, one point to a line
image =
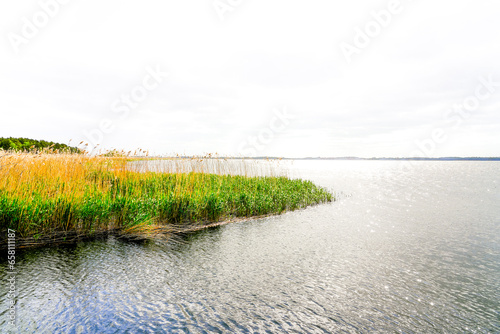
411	252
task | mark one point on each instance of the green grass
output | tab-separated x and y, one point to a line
74	193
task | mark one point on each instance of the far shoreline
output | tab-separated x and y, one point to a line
325	158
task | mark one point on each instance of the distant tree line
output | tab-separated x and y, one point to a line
29	145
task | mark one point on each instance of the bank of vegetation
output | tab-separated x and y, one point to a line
53	197
34	145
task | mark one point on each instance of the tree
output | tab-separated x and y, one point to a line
31	145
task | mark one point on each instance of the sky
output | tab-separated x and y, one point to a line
254	78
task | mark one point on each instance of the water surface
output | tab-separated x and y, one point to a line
413	251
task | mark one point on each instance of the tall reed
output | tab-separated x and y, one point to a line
43	193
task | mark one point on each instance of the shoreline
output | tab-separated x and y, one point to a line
147	233
65	198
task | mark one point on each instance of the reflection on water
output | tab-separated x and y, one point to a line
415	251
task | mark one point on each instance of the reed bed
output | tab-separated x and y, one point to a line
48	194
213	165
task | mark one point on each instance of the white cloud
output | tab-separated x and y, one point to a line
227	76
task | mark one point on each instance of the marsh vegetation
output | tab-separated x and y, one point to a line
47	195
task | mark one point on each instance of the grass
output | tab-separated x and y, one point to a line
43	194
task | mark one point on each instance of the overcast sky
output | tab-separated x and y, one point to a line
254	77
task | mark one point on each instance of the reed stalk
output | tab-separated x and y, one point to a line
48	193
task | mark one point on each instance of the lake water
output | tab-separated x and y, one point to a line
413	251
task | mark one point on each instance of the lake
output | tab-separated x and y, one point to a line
401	250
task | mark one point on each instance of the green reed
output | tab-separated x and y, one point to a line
39	196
